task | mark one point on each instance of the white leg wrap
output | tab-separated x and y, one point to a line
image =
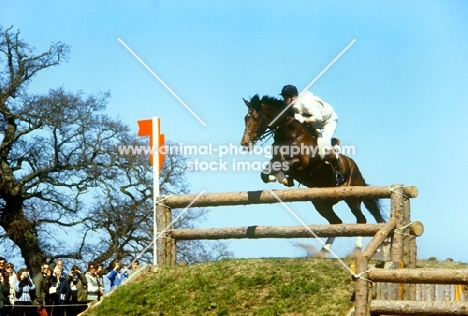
328	243
359	242
271	178
281	177
386	252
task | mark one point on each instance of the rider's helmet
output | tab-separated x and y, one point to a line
289	91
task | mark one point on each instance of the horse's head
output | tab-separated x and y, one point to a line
255	124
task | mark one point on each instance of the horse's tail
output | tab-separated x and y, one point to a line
375	207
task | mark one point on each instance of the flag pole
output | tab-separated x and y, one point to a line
155	149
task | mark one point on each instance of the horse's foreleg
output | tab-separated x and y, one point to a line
267	174
292	163
286	166
274	171
267	177
326	210
278	170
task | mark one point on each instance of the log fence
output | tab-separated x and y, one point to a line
403	273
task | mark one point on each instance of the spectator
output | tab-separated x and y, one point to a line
134	267
41	283
59	262
93	283
100	279
59	291
24	285
4	294
78	297
4	291
2	264
11	275
116	276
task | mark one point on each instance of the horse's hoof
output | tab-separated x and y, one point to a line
322	253
289	182
378	255
267	178
357	250
271	178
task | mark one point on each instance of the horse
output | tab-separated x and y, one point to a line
295	154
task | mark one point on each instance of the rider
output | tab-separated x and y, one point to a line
318	115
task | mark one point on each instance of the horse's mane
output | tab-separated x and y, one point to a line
256	103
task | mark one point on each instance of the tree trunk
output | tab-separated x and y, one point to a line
19	230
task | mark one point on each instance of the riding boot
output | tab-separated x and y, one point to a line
339	179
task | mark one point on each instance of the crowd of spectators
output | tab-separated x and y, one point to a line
55	291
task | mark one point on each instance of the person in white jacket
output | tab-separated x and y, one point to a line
320	116
93	288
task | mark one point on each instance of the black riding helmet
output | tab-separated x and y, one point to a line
289	91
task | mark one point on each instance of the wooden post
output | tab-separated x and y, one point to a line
361	302
397	213
409	248
397	242
174	251
406	232
161	224
169	240
408	291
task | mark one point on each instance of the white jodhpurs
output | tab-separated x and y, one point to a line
324	140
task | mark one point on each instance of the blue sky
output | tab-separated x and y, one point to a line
399	90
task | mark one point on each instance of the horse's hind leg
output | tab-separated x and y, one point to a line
355	207
326	210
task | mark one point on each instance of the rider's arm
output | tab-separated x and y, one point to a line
311	108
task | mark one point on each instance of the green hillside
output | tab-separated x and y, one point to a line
240	287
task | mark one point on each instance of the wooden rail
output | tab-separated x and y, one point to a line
255	232
291	195
418	308
426	276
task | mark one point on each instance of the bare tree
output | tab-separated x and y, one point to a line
65	189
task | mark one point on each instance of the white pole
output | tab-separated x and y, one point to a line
155	149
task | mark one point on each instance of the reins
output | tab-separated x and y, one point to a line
267	134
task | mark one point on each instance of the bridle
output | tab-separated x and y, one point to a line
268	132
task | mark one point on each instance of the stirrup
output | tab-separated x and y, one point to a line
339	179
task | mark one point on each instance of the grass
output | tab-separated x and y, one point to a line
241	287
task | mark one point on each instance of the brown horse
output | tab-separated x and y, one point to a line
295	154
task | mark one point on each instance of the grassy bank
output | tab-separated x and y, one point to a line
241	287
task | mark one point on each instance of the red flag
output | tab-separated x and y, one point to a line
146	129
